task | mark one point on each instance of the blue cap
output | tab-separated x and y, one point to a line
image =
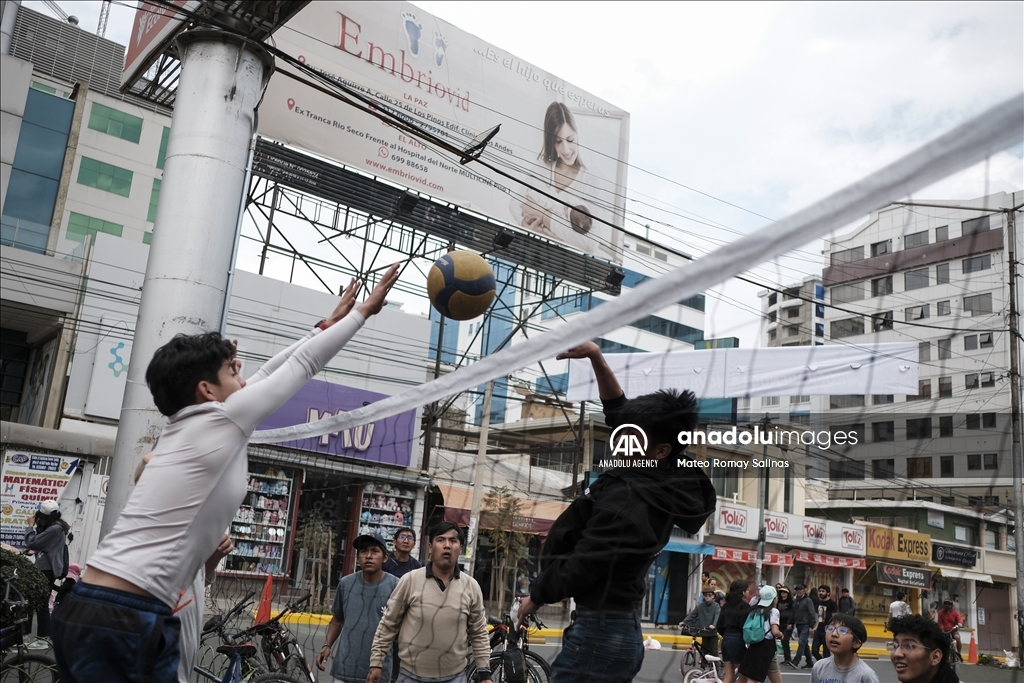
375	537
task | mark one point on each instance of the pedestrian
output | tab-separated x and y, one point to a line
826	607
437	615
46	538
846	603
600	548
899	607
730	626
175	518
705	580
805	617
400	562
703	621
786	608
845	634
359	603
920	651
759	661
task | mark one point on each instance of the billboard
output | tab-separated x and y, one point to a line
154	27
28	480
568	144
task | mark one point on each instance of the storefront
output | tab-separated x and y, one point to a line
996	604
733	532
955	578
897	562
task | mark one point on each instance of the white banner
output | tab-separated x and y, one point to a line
789	530
28	480
565	141
737	373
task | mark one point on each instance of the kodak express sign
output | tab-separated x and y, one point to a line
896	544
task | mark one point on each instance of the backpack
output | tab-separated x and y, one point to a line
753	627
65	556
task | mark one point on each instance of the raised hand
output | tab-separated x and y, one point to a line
345	304
378	297
585	350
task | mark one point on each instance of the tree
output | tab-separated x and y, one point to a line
509	547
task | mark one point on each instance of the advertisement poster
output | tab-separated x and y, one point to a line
568	144
29	479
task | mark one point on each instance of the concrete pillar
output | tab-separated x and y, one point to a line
222	80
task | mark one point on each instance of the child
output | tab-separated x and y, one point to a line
844	635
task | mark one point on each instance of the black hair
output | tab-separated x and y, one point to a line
855	625
662	415
44	521
404	529
736	590
900	596
825	588
181	364
445	527
926	630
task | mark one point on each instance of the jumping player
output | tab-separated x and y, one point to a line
599	550
118	623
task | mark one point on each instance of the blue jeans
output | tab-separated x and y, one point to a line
802	631
102	634
599	649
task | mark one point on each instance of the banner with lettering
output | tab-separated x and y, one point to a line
909	577
28	480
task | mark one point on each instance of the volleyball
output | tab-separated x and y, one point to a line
460	285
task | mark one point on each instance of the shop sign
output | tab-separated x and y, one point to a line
852	537
28	480
808	557
387	441
951	554
895	575
733	518
814	531
750	557
776	527
937	519
896	544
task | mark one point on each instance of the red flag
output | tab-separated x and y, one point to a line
263	611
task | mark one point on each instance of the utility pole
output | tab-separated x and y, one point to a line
1018	464
762	490
222	80
478	480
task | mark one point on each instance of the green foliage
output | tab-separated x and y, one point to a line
31	582
510	548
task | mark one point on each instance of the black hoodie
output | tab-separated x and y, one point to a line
599	550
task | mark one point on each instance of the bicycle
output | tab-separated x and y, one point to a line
280	648
536	668
22	666
954	653
697	657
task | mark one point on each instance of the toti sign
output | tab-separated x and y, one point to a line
897	544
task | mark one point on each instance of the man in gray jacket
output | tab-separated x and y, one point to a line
702	620
805	617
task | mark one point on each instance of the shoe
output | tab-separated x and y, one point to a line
791	665
807	666
39	644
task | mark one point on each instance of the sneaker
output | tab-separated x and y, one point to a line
39	644
791	665
807	666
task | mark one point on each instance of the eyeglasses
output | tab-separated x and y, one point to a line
843	630
405	537
909	647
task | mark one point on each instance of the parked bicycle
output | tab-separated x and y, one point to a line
281	650
502	636
698	657
17	663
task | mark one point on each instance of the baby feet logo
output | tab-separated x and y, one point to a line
440	48
117	365
413	32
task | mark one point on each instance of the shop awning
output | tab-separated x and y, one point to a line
750	556
951	573
536	516
690	547
808	557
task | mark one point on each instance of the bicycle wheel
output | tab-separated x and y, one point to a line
540	664
276	678
694	675
954	656
28	667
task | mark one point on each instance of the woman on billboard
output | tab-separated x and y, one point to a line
569	181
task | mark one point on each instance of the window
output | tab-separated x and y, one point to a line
970	342
945	348
819	310
960	533
948	500
105	177
990	535
943	308
154	198
43	87
985	340
819	329
917	239
942	234
973	265
773	298
15	354
819	294
845	469
987	379
771	335
974	461
80	225
979	303
847	256
881	286
668	328
772	316
924	352
971	381
946	466
883	469
881	399
847	328
919	467
945	387
726	481
792	330
883	431
643	249
915	279
791	293
116	123
920	428
793	312
990	461
880	248
799	399
161	156
147	238
881	321
846	401
942	274
988	420
924	390
769	400
842	294
917	313
975	225
946	426
660	255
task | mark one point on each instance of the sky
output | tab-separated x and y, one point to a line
745	112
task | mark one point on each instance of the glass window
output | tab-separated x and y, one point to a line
920	428
915	279
819	293
105	177
945	387
45	88
846	401
975	225
943	308
973	265
946	466
846	469
945	349
970	342
883	431
819	310
971	380
988	420
161	156
794	312
881	321
985	340
147	238
917	239
924	352
882	399
960	533
154	197
842	294
40	151
973	421
773	298
990	461
881	286
946	426
116	123
880	248
847	256
15	353
49	111
30	197
919	467
80	225
917	313
974	461
942	234
819	329
924	390
987	379
883	468
979	303
792	330
847	328
942	274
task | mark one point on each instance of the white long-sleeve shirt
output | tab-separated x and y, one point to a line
198	477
